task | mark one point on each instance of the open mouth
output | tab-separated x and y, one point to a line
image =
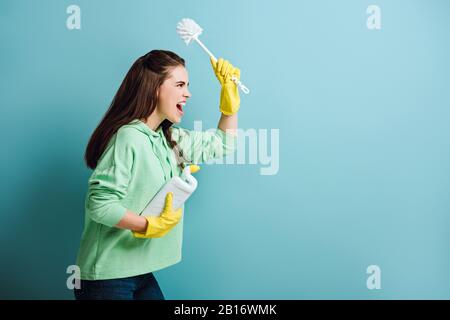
180	107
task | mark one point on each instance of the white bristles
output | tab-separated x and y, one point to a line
188	30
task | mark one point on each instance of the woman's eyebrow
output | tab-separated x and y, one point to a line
182	82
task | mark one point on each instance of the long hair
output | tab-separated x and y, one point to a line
135	99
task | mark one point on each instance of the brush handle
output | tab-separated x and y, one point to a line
240	85
234	79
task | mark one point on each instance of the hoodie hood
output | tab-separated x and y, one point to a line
142	127
160	147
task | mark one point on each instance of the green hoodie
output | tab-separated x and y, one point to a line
135	165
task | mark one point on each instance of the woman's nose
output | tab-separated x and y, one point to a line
187	94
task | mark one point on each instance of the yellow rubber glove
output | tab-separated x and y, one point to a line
159	226
229	95
194	168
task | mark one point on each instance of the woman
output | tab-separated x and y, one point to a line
134	151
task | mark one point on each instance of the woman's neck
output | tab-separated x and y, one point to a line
153	121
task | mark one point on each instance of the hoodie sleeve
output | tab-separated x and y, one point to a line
109	182
201	146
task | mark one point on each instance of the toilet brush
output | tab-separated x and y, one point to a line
189	30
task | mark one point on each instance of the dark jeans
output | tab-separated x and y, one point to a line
142	287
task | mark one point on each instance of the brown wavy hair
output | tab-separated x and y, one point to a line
135	99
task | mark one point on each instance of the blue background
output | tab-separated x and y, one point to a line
363	115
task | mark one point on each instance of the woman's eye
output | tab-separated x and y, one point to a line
180	85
